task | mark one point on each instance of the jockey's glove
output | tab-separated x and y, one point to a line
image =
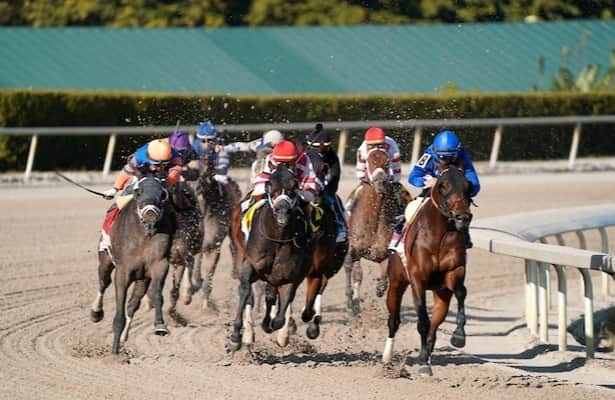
109	194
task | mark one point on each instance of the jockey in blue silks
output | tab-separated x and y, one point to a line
446	149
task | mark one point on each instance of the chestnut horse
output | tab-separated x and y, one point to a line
141	240
327	260
278	252
435	251
370	224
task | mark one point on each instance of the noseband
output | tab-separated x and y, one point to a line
158	211
443	207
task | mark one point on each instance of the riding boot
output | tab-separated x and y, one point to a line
397	231
340	221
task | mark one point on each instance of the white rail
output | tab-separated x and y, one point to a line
513	235
414	125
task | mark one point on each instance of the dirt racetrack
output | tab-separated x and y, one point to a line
50	350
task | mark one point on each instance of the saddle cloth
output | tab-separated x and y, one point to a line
246	219
110	217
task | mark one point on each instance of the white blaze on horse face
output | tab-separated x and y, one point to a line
317	304
387	354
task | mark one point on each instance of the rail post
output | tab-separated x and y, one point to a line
604	239
109	156
495	148
574	146
416	145
31	154
341	146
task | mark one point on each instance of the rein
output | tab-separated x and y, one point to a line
443	208
150	207
260	221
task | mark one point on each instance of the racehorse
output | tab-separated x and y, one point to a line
278	251
217	202
187	241
140	242
370	224
435	259
327	260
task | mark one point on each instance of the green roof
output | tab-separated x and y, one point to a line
282	60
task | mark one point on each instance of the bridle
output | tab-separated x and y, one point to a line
443	206
369	174
158	211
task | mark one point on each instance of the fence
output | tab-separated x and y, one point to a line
512	235
416	125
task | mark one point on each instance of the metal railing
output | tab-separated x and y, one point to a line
515	235
416	125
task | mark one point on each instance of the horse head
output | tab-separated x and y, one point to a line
282	193
182	196
451	195
377	164
150	196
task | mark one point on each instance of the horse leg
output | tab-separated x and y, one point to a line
313	288
459	335
121	288
348	270
248	324
105	267
313	329
394	298
383	280
212	256
158	276
196	278
178	273
422	324
271	297
244	294
138	292
357	278
442	299
185	281
282	321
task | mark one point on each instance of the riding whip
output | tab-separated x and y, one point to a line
67	179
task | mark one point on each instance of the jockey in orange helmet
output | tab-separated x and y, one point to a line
156	156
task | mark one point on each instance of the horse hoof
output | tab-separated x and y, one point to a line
312	331
186	300
266	325
381	287
96	316
307	316
277	324
458	340
161	330
233	346
425	370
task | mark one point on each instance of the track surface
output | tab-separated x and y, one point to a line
50	350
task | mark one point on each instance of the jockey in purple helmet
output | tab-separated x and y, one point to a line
180	143
446	149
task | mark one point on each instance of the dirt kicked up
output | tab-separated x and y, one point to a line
50	350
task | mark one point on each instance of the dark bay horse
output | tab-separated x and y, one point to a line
278	252
187	240
370	225
435	255
327	260
217	202
140	241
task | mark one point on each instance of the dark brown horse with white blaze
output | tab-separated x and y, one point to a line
279	252
370	224
435	254
327	260
216	201
140	240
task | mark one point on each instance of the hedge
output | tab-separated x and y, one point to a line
20	108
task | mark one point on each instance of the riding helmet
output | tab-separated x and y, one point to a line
179	140
284	151
446	144
159	151
206	131
319	137
272	137
375	136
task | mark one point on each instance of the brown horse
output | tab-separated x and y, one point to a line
327	260
140	239
370	224
187	241
278	252
217	202
435	251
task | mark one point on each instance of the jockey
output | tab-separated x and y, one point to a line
374	138
156	156
262	147
445	150
320	152
180	143
208	142
286	152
